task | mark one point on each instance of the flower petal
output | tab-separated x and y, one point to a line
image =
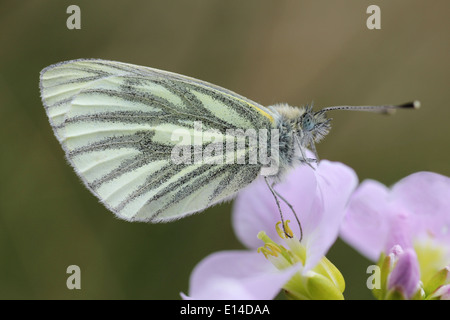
405	277
427	196
365	225
321	224
443	293
239	275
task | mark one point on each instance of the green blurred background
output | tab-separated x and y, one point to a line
270	51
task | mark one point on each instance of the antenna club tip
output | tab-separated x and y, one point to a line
410	105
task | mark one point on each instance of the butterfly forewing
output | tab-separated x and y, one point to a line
115	122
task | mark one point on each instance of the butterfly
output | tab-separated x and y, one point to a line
123	128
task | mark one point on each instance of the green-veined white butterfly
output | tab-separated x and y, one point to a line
114	121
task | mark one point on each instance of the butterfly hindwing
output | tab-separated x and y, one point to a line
115	121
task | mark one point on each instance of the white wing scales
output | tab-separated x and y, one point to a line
114	122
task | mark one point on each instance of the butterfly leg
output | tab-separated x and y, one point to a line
292	209
279	208
304	159
308	160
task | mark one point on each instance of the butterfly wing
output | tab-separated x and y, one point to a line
115	123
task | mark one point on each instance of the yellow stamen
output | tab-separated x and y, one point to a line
263	251
269	248
286	229
279	231
273	249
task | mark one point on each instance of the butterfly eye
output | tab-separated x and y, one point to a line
307	122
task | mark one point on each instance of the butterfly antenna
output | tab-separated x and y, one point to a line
386	109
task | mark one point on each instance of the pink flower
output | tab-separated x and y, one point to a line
319	198
408	224
405	276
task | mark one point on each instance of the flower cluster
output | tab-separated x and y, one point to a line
403	229
406	229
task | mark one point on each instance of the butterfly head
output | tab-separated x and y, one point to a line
313	126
